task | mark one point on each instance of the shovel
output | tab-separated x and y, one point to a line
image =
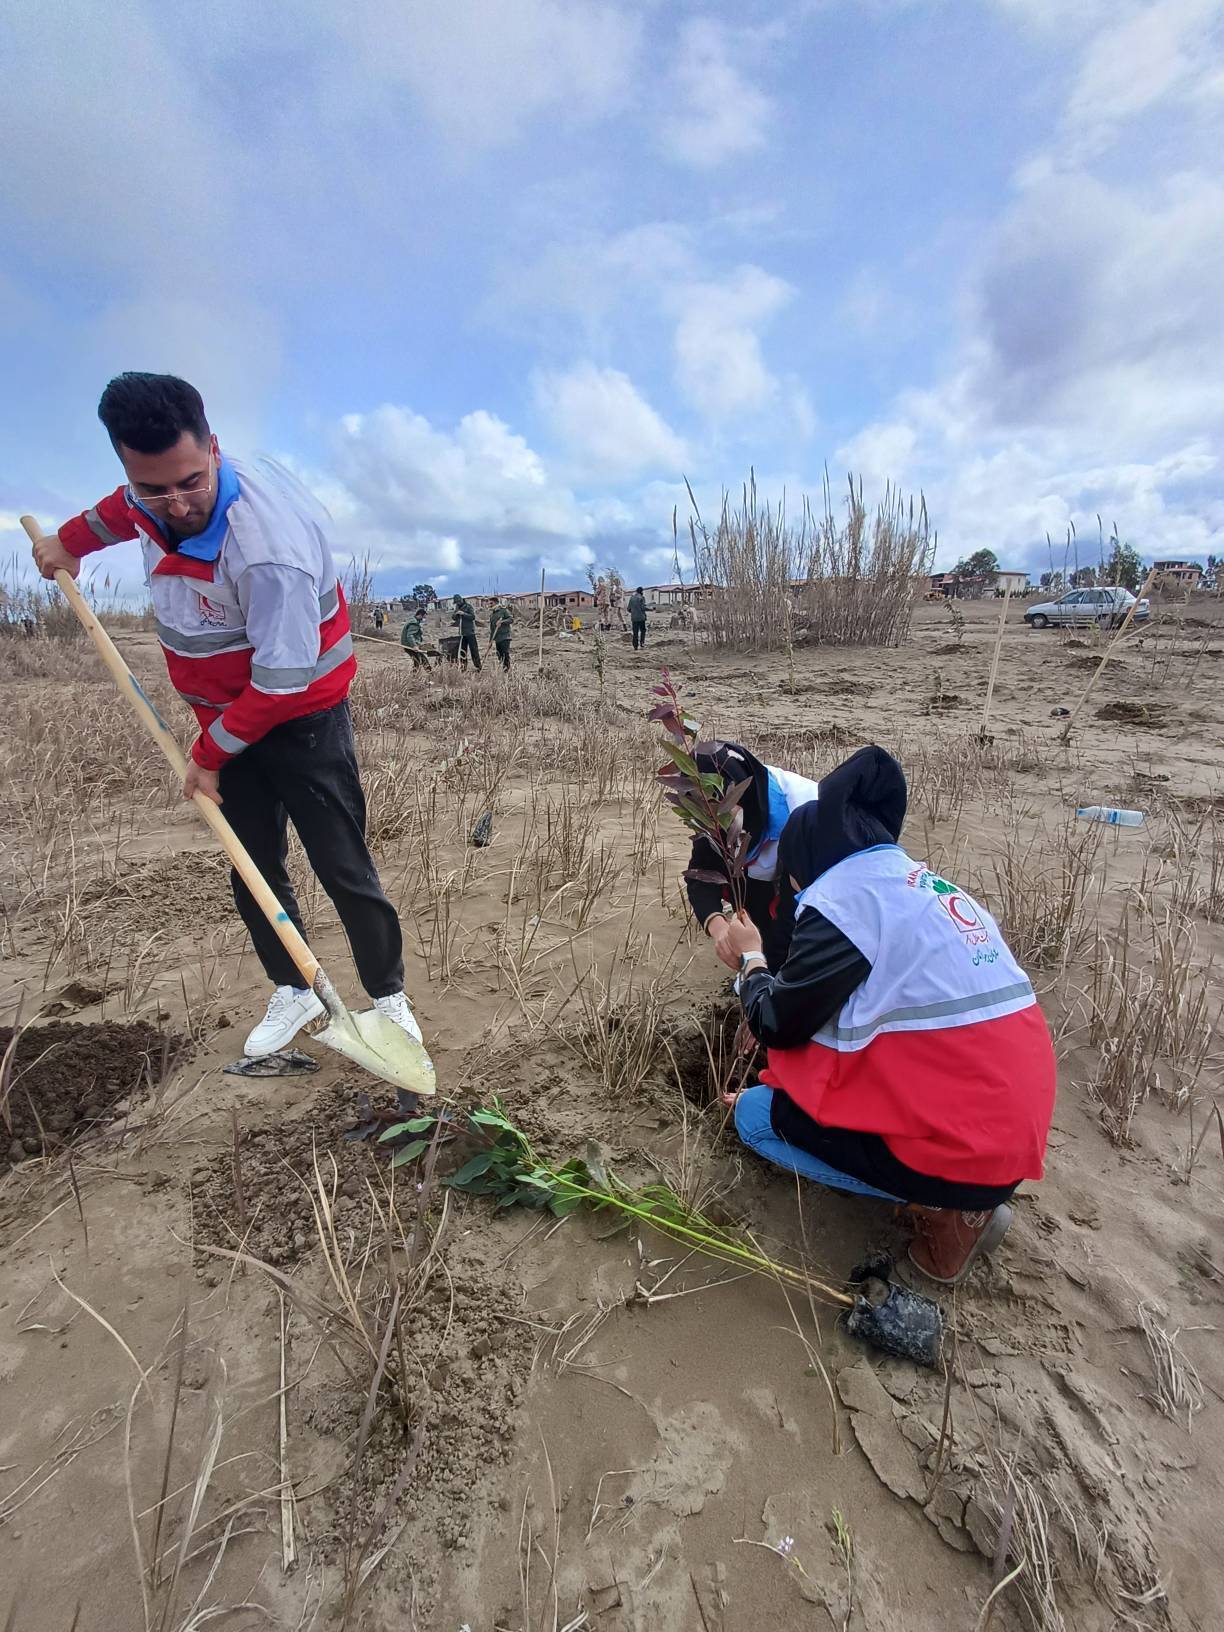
368	1038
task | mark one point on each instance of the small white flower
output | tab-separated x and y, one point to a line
785	1545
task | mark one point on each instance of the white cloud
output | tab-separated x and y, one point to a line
879	453
483	68
63	170
661	559
608	426
655	271
474	498
1163	55
1136	62
591	278
481	474
716	112
720	365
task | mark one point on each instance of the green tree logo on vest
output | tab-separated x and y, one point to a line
963	912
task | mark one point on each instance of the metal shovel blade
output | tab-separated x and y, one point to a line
381	1047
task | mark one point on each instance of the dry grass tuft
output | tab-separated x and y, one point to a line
1043	891
1176	1389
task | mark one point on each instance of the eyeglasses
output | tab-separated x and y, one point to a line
200	487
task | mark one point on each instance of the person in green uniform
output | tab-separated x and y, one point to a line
637	617
413	640
465	616
499	633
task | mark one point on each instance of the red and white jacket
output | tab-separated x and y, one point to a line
256	637
942	1050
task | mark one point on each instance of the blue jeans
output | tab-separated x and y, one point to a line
755	1129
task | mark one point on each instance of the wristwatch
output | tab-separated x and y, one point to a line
750	957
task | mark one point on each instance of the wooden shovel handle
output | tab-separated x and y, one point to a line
304	959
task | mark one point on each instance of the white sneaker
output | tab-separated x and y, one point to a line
395	1007
288	1011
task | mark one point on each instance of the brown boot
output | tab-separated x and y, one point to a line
946	1242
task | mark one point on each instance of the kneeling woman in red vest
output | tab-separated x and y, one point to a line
907	1057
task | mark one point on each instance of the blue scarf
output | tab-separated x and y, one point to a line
776	816
205	546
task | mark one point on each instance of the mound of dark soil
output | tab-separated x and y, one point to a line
275	1168
1128	713
66	1078
938	701
783	747
1090	660
834	686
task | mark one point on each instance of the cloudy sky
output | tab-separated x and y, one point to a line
495	275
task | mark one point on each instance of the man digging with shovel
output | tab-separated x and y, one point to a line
253	623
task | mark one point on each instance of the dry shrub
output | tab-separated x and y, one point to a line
851	582
1176	1389
33	610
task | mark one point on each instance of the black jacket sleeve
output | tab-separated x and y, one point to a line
822	969
705	899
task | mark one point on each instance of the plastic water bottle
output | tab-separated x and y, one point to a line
1106	813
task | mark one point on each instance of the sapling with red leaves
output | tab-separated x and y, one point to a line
704	800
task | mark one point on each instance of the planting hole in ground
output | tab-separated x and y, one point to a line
705	1055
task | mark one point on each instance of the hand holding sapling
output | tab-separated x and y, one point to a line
741	938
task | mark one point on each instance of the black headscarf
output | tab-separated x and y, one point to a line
861	803
735	764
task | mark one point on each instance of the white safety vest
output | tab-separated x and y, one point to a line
938	959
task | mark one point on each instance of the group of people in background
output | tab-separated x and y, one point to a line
412	635
501	625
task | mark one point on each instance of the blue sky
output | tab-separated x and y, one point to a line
495	275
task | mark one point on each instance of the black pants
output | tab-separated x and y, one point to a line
469	647
305	771
420	659
639	633
503	653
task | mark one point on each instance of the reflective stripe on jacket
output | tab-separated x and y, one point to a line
257	637
942	1050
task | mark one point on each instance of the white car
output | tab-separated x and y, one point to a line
1107	607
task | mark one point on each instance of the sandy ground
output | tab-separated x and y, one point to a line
601	1431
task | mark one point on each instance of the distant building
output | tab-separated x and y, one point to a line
960	586
1017	582
567	600
1177	574
663	597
